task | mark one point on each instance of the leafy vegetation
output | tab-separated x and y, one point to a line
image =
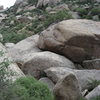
95	98
4	63
38	19
57	17
5	81
39	25
95	11
82	12
27	88
32	2
9	35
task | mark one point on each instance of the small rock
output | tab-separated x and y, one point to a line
48	82
12	22
9	45
48	9
96	18
1	38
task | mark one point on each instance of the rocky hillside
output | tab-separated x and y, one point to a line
55	41
28	17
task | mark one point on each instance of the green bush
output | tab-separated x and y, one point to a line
32	2
13	37
9	35
95	98
27	88
26	81
59	16
82	98
15	92
95	11
82	11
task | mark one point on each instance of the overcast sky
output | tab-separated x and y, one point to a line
7	3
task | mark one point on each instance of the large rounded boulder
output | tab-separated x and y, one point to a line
76	39
36	63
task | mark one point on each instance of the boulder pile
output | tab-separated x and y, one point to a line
54	55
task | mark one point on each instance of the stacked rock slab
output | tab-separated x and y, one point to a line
76	39
84	77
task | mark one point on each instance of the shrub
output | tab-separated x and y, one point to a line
26	81
9	35
59	16
15	92
13	37
95	11
39	91
82	98
82	11
28	88
32	2
19	27
95	98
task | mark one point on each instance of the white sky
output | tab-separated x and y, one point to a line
7	3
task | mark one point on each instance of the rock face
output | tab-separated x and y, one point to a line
36	63
47	2
94	93
13	68
84	76
92	64
29	45
67	89
75	39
